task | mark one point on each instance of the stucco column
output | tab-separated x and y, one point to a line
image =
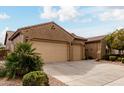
70	51
83	51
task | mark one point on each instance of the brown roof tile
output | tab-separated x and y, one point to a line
78	37
48	30
96	38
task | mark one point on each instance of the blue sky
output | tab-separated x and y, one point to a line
83	21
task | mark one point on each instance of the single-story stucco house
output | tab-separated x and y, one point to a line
95	47
53	42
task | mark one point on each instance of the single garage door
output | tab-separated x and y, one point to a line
51	52
77	52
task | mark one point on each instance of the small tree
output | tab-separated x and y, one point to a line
109	40
118	42
115	40
22	61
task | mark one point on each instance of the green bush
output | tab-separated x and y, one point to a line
122	60
22	61
2	72
112	58
35	78
119	59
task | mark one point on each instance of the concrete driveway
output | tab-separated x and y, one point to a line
86	73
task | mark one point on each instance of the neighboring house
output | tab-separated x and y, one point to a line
7	42
50	40
95	47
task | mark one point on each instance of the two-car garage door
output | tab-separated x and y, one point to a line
51	52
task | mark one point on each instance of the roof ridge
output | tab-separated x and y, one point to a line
96	36
9	31
41	24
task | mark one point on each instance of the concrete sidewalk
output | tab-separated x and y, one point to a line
86	73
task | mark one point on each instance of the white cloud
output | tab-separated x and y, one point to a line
113	14
4	16
2	34
48	13
63	13
67	13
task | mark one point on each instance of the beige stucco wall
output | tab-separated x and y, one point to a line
19	38
8	45
8	42
93	49
51	52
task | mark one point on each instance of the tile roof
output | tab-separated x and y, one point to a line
78	37
96	38
49	30
46	31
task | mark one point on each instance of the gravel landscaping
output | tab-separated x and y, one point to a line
55	82
18	82
12	82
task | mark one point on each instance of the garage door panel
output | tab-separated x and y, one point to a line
77	52
51	52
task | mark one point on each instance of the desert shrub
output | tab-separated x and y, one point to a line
112	58
35	78
119	59
2	72
122	60
22	61
117	55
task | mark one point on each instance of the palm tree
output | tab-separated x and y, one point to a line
23	60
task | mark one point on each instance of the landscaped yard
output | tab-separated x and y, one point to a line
24	67
18	82
87	72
